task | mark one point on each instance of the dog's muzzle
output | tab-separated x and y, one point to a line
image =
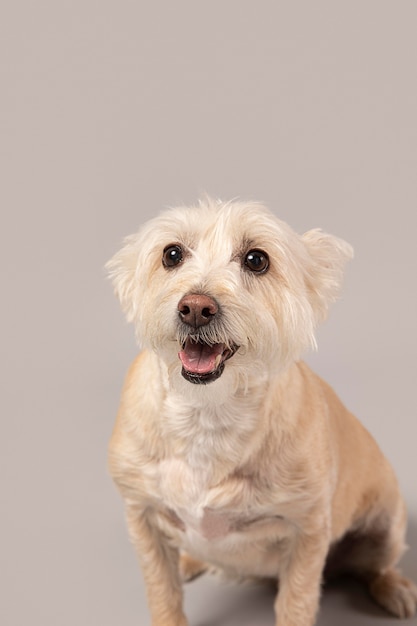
202	360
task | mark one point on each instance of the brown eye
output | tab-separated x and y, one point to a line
257	261
173	255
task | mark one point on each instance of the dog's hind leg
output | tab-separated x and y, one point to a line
395	593
372	554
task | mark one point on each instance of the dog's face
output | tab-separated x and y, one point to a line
226	291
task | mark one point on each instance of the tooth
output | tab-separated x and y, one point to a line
218	360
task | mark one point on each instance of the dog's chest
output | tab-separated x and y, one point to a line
201	489
207	444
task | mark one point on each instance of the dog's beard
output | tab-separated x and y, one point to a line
204	353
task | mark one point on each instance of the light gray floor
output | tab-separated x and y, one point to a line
110	111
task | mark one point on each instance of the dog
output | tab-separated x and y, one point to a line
229	452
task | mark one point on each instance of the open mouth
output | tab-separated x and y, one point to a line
202	362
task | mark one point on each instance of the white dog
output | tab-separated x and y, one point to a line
228	450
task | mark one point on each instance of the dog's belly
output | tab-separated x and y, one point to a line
242	546
253	548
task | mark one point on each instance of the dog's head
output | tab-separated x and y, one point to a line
226	290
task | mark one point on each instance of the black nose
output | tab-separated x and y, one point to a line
197	310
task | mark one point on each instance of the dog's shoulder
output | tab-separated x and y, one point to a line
135	435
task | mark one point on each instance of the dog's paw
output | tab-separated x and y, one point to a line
395	594
190	568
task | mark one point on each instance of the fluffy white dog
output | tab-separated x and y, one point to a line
228	450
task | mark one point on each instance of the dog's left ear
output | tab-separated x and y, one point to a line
328	256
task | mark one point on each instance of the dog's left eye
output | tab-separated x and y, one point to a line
172	256
256	261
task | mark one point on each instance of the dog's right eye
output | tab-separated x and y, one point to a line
172	256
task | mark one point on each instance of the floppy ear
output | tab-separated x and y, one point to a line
328	257
122	269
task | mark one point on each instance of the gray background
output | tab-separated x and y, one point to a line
113	110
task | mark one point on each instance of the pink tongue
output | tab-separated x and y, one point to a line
199	358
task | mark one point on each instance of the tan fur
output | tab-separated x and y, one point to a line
263	472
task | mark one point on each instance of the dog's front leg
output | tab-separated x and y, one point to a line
300	581
160	567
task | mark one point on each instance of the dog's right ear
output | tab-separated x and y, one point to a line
122	270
